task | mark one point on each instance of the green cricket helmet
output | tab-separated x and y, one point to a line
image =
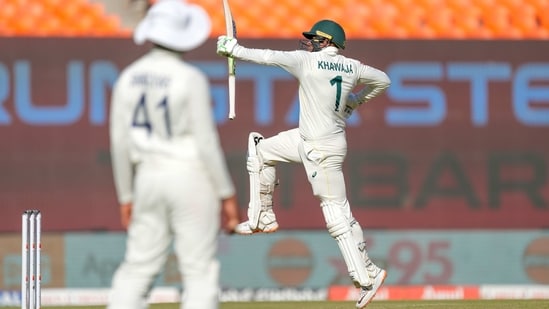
328	29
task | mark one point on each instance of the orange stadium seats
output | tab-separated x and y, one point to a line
57	18
375	19
390	19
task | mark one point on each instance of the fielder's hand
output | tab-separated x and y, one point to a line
230	214
225	45
126	214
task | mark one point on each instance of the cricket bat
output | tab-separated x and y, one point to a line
230	27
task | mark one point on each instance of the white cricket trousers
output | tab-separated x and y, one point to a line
172	202
322	160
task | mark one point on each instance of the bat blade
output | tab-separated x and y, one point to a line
230	27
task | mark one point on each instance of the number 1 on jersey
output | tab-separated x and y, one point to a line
337	81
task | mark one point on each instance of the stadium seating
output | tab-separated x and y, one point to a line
375	19
58	18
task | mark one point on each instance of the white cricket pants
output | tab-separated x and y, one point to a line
173	202
322	160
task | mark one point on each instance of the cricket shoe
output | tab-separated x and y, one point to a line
368	293
267	224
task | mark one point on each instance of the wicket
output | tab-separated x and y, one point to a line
30	259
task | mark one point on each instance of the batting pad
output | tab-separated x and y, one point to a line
340	229
254	165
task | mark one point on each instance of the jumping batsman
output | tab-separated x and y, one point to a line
326	83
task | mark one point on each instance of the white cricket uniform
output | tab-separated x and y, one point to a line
167	160
326	81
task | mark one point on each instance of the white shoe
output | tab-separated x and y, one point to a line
267	224
368	293
243	228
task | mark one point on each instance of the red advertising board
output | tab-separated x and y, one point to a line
458	141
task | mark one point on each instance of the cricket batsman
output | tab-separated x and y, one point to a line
327	97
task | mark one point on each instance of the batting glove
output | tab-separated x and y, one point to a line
225	45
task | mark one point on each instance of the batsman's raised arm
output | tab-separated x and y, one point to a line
288	60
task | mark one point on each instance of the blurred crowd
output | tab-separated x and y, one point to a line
369	19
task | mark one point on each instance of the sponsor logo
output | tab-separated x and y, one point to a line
536	260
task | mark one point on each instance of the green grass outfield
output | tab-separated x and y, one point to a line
430	304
